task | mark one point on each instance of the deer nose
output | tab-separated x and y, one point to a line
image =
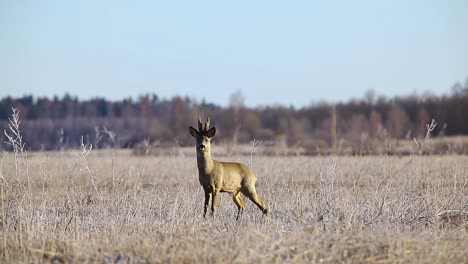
202	147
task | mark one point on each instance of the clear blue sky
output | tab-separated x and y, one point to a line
287	52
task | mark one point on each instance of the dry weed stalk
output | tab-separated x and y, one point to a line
252	151
420	144
147	146
2	200
85	150
15	140
4	181
112	135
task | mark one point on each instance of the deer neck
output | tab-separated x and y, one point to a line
205	162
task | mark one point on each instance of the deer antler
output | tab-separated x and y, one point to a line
200	125
207	124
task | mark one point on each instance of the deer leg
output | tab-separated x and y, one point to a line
252	194
214	200
240	204
207	200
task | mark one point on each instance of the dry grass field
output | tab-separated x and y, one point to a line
114	207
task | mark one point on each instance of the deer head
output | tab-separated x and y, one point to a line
203	135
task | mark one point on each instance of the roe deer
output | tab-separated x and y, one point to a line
216	176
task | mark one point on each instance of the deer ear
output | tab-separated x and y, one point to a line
193	131
210	133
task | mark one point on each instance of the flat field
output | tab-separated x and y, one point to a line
112	207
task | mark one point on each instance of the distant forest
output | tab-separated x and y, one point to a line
61	123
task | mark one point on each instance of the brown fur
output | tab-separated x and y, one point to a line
216	176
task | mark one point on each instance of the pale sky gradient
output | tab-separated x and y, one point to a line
286	52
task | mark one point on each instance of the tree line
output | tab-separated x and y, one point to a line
66	122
